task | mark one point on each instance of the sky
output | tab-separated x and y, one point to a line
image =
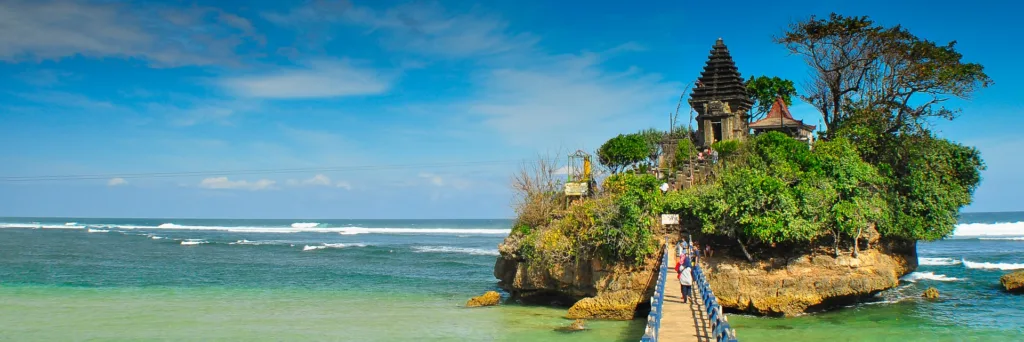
436	102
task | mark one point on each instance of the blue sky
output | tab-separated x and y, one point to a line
108	87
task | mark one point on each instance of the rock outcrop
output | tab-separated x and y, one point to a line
1013	282
593	289
807	283
487	299
931	293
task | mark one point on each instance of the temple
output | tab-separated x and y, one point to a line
720	99
779	119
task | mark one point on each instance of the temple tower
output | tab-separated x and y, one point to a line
720	99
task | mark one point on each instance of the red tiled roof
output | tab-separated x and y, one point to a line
779	116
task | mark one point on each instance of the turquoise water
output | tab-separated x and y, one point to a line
173	279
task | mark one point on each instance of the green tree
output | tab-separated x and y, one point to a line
856	63
764	90
654	139
623	151
684	151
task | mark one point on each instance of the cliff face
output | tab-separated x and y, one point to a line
595	290
807	283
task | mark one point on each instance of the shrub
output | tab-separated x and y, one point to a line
623	151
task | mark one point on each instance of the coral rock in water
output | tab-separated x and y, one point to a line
487	299
620	305
931	293
1013	282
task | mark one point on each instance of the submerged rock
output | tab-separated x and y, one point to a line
487	299
577	325
1013	282
931	293
808	283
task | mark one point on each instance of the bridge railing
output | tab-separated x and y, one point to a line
720	329
657	302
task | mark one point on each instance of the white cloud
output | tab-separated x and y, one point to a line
225	183
419	27
319	180
116	181
570	100
445	181
320	79
43	30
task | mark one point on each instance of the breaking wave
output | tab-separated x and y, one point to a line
449	249
305	225
915	276
332	245
415	231
192	242
1004	238
992	265
98	230
937	261
989	229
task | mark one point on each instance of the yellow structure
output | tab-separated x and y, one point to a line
579	172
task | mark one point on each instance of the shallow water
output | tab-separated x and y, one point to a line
123	279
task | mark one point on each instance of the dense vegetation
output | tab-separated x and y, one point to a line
877	173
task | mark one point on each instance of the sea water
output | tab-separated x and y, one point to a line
357	280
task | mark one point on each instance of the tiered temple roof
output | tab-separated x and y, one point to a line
720	81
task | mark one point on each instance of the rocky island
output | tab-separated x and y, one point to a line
791	221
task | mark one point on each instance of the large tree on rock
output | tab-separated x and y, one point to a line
858	64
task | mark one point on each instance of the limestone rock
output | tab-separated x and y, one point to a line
1013	282
808	283
599	289
931	293
620	305
487	299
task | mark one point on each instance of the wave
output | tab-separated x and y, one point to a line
98	230
937	261
449	249
915	276
421	231
1004	238
332	245
989	229
36	225
992	266
71	224
192	242
308	227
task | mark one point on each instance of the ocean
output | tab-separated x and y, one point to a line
388	280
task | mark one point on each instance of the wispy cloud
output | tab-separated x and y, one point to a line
225	183
425	28
164	36
319	180
116	181
320	79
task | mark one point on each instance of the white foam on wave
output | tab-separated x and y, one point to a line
450	249
332	245
421	231
937	261
915	276
1004	238
992	265
37	225
989	229
192	242
317	229
71	224
91	230
305	225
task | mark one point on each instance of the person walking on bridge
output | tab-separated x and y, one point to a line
685	276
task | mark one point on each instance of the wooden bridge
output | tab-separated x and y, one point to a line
700	319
